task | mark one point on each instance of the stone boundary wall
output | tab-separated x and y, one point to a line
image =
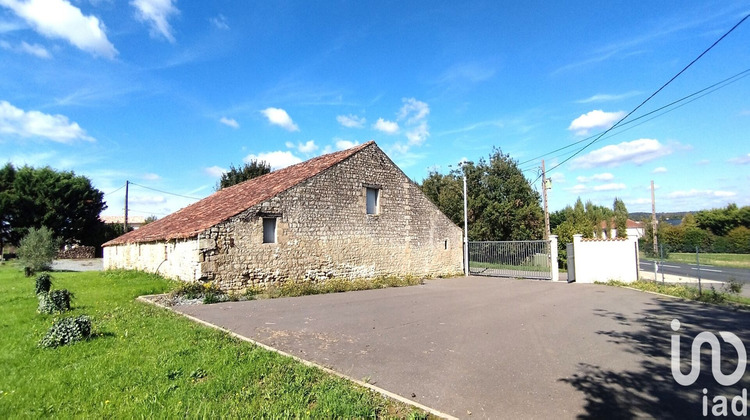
323	231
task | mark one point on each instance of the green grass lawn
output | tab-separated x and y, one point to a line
148	362
708	295
475	264
720	260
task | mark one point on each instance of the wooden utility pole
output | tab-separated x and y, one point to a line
654	223
544	195
125	222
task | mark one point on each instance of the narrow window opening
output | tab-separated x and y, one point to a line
446	244
373	200
269	230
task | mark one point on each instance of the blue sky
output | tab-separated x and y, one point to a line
166	94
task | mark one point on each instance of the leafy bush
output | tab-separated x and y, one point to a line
37	249
67	330
43	283
54	301
733	287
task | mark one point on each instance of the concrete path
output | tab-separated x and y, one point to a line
89	264
499	348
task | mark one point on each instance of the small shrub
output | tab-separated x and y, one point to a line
43	283
67	330
733	287
54	301
37	250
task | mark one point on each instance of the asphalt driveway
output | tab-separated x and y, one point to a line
500	348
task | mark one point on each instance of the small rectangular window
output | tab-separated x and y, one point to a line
373	200
269	230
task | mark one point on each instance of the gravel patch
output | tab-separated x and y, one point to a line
93	264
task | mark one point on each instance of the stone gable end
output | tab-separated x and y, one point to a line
323	231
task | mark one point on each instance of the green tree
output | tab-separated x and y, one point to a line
719	221
65	203
37	249
502	205
7	201
236	175
149	219
739	240
621	218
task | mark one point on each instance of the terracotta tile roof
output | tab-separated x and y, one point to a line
223	204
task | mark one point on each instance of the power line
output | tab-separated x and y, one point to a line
617	124
165	192
112	192
713	88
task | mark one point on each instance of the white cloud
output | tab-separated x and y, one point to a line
36	124
278	116
60	19
156	13
557	177
659	170
693	193
214	171
577	189
342	144
636	151
413	111
741	160
603	97
151	177
351	121
219	22
418	134
26	48
148	199
595	119
231	122
606	176
414	114
610	187
388	127
463	73
35	49
307	147
278	159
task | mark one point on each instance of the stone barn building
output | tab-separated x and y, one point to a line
349	214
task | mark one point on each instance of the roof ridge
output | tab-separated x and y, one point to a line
228	202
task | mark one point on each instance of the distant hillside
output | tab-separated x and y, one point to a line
673	218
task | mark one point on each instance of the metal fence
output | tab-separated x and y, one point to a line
523	259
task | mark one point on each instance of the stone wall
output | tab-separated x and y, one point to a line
323	231
177	259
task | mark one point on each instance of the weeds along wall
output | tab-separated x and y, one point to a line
323	231
176	259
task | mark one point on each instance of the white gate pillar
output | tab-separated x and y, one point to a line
553	257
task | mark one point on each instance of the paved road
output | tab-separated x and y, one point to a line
709	272
499	348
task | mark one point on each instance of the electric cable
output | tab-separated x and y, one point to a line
617	124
